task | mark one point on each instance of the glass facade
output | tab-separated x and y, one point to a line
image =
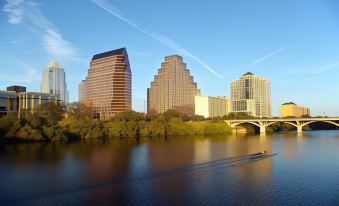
31	101
54	81
8	102
12	102
173	88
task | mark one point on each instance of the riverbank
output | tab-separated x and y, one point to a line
34	127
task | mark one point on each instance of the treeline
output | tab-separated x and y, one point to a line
75	121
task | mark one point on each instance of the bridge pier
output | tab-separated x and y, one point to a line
300	129
262	129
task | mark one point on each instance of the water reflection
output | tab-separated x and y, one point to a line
157	171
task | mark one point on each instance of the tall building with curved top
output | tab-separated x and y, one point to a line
54	81
173	88
108	83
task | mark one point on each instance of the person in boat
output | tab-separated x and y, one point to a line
259	154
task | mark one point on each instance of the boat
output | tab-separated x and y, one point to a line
261	155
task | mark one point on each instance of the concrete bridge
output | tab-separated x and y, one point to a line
299	123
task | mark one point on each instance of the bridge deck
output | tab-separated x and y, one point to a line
284	119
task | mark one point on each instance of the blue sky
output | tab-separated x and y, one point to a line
294	43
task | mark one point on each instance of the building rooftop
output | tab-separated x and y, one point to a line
248	73
109	53
54	64
16	88
287	103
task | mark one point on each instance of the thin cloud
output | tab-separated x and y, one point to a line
52	40
57	45
158	37
328	68
323	69
14	11
267	56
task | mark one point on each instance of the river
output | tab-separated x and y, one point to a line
174	171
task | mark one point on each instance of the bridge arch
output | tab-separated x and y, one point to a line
239	123
298	123
290	123
329	122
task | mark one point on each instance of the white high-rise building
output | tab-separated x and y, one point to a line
212	106
54	81
252	95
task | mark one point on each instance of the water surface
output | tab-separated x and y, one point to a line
174	171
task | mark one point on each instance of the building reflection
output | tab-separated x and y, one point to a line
118	170
248	172
202	150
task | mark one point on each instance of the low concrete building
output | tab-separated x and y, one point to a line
15	101
31	101
291	109
16	89
8	102
212	106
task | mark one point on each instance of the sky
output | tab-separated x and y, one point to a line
293	43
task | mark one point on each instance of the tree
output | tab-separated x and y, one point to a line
79	111
169	114
55	112
197	118
5	125
128	116
238	115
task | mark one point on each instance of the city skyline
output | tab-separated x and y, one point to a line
300	62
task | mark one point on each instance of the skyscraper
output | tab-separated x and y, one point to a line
173	88
54	81
252	95
82	92
108	83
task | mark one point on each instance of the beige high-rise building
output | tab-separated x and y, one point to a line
173	88
290	109
252	95
108	83
212	106
82	92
